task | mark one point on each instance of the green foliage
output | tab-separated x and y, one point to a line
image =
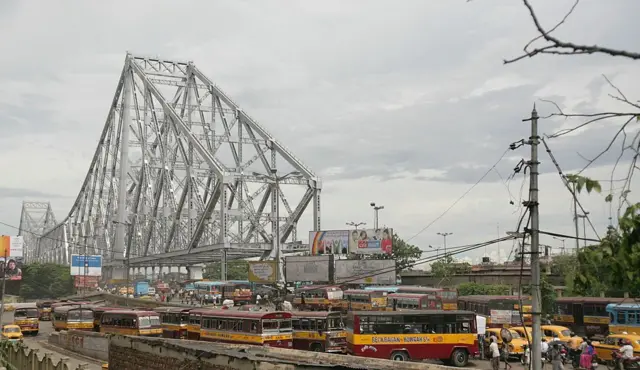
585	183
403	253
447	267
46	280
566	265
547	292
483	289
236	270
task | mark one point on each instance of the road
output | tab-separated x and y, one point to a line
40	342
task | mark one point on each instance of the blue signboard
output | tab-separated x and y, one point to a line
86	265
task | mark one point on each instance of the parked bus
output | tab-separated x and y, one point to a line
323	298
413	301
449	336
624	318
319	332
449	297
270	329
586	316
210	290
97	315
27	318
238	291
76	317
484	304
174	321
195	322
130	322
364	300
44	310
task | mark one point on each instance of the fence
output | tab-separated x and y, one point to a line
17	356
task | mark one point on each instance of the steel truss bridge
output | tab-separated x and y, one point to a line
181	175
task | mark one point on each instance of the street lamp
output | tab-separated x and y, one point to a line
375	214
356	224
444	236
275	206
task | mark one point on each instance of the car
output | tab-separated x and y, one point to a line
549	332
516	346
524	331
611	343
12	333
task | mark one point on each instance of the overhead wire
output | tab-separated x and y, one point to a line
461	197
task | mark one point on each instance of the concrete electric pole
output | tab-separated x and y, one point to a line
444	245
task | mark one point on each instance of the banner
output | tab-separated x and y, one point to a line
263	272
329	242
86	265
11	256
86	281
370	241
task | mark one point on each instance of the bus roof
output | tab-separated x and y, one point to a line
359	291
487	298
172	309
591	300
18	306
247	314
410	295
64	309
382	288
131	312
316	314
70	303
411	313
626	305
318	287
411	288
209	283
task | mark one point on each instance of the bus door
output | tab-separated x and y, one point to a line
578	314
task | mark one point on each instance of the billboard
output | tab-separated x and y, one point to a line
366	272
511	317
85	281
93	265
263	272
308	268
370	241
11	256
329	242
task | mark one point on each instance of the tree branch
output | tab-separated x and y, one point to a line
559	47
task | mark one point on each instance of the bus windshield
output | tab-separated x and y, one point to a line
155	320
26	313
145	322
336	294
335	323
80	315
276	325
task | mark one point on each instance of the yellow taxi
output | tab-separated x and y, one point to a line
12	333
613	342
105	366
549	332
516	346
523	331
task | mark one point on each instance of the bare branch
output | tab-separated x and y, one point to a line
559	47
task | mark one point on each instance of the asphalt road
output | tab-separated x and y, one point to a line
39	342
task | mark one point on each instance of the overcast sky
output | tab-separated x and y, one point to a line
405	103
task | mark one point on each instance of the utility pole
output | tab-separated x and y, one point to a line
356	224
444	236
584	227
375	214
575	216
532	203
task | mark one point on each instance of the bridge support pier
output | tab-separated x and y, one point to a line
195	272
119	272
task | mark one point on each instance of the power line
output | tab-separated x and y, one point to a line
568	236
461	197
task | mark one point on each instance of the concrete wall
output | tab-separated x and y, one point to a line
21	357
90	344
137	353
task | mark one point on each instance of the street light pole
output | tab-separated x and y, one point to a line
355	224
376	209
444	236
584	226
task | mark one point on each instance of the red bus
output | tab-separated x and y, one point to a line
412	301
174	321
324	298
319	332
449	336
449	297
269	329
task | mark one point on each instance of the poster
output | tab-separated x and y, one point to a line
371	241
329	242
263	272
11	256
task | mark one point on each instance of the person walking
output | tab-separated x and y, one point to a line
556	360
495	354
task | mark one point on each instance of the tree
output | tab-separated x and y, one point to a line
566	265
46	280
236	270
403	253
547	292
448	266
483	289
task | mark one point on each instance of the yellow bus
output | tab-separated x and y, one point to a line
319	331
318	298
78	317
449	336
364	300
269	329
130	322
27	318
174	321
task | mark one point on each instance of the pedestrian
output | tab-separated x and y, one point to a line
495	354
556	360
586	357
505	356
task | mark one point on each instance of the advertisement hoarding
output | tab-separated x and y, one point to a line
85	281
93	265
365	272
329	242
263	272
11	256
308	268
370	241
